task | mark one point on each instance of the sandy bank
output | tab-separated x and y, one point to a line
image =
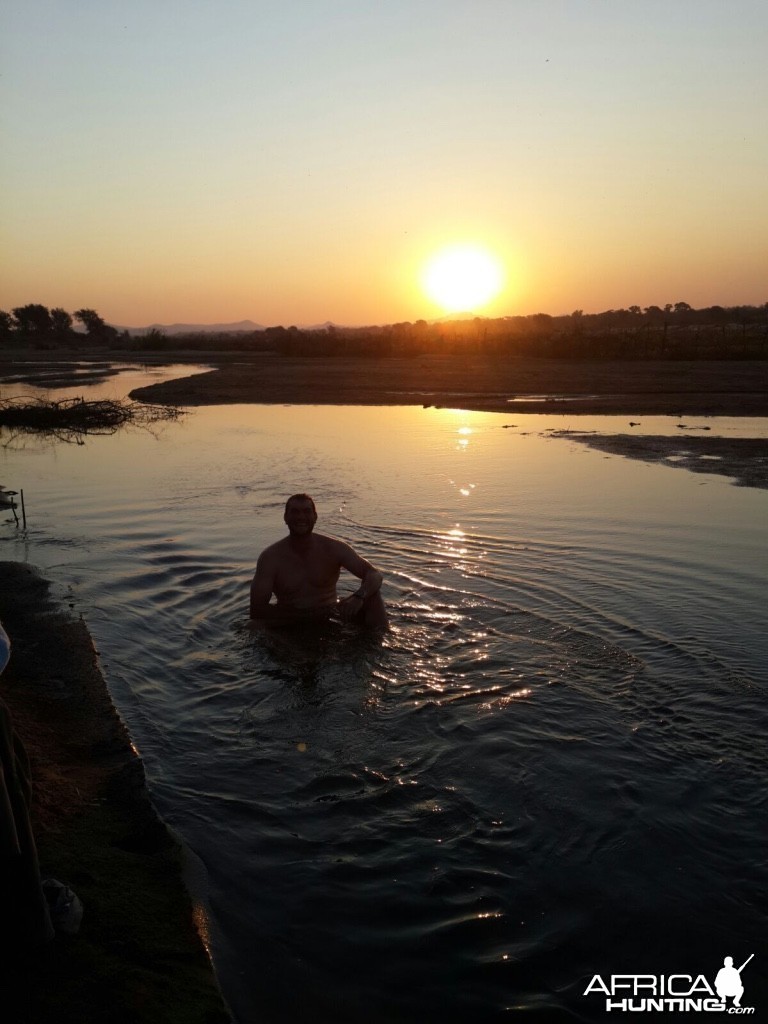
470	381
743	459
519	385
138	957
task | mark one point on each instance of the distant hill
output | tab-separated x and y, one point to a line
244	326
239	327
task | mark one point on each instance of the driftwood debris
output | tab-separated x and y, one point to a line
72	419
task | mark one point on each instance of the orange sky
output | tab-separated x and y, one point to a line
169	162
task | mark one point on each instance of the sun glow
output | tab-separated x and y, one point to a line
462	278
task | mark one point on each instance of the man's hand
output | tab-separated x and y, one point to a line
350	606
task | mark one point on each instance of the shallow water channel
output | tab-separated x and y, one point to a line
552	767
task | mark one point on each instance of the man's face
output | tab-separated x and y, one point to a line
300	517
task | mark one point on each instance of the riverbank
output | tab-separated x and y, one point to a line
479	383
523	385
138	957
572	387
469	381
743	459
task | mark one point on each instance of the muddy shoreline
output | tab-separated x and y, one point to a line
743	459
138	955
467	381
512	385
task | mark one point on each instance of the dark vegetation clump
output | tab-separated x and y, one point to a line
72	419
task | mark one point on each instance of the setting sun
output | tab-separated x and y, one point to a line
462	277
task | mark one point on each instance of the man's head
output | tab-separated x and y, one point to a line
300	515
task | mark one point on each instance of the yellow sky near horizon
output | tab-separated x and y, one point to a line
201	163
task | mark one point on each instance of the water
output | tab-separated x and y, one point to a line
552	767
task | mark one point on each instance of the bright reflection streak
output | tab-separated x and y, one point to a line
202	925
504	702
463	441
452	535
525	692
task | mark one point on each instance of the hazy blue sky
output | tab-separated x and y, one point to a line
293	162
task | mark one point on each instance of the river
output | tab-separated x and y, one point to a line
553	766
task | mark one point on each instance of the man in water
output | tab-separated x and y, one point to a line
302	571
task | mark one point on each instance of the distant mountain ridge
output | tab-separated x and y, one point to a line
244	326
238	327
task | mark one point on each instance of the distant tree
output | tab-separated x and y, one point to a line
655	316
61	324
716	314
682	307
540	319
97	329
7	324
90	319
635	310
33	320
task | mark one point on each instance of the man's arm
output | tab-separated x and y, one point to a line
262	587
371	578
367	598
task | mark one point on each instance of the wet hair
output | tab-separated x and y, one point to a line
301	497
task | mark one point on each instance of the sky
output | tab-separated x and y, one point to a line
299	161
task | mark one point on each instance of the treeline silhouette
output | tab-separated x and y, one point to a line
36	325
674	331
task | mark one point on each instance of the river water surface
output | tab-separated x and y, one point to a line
552	767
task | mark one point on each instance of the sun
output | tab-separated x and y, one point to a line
462	278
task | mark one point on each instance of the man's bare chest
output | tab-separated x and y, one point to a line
316	570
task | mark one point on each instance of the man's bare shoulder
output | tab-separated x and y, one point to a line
273	552
332	545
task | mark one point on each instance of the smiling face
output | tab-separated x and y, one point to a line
300	516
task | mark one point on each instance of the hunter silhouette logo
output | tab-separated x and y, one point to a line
728	980
673	993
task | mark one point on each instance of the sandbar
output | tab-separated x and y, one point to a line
743	459
525	385
572	387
